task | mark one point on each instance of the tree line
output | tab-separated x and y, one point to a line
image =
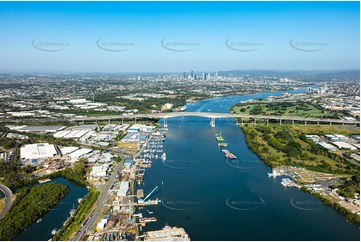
30	205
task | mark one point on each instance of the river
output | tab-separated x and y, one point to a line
57	215
214	199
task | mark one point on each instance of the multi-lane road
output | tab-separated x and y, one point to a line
99	204
215	115
9	198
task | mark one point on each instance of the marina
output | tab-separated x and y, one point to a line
193	143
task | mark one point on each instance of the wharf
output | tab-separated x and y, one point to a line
140	193
167	234
149	203
228	154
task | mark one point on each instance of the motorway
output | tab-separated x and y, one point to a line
214	115
99	204
9	198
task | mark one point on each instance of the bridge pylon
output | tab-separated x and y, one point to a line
213	122
165	124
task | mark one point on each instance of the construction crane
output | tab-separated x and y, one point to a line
150	194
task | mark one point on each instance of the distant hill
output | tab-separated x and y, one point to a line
322	74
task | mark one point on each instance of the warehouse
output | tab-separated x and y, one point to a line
124	187
326	146
37	151
344	145
99	171
42	129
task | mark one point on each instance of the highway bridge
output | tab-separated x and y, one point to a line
214	116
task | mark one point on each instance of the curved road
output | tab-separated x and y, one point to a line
9	198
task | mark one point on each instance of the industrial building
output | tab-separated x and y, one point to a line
41	129
34	152
124	187
99	171
344	145
326	146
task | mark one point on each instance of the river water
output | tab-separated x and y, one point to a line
57	215
217	199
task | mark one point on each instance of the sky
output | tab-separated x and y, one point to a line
178	36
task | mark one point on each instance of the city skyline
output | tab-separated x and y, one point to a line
173	37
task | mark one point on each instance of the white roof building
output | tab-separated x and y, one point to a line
327	146
68	150
78	101
344	145
37	151
124	187
99	171
79	153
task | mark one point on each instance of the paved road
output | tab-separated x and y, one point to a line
9	198
99	204
214	115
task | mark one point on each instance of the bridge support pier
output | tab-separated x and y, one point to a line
255	121
212	123
305	122
280	121
318	122
267	121
165	124
293	122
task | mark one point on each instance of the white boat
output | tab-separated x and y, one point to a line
39	220
79	200
54	231
286	182
164	156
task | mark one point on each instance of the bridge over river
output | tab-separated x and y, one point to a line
214	116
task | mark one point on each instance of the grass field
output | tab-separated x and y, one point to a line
128	148
280	145
296	109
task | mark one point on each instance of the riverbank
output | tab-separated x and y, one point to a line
74	222
29	206
285	148
56	216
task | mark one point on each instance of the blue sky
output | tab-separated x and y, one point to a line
202	36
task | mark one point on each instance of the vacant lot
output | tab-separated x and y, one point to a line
296	109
